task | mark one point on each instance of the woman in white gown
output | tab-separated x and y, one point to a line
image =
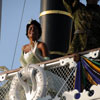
25	81
35	51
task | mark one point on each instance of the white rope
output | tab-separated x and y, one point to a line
18	35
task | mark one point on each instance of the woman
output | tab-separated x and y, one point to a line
35	51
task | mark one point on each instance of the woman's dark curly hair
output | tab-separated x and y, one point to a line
38	26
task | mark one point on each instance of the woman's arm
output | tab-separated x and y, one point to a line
44	51
42	46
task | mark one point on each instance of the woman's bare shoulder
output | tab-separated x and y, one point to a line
25	46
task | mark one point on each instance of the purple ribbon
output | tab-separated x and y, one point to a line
78	77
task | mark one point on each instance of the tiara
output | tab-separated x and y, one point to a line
30	21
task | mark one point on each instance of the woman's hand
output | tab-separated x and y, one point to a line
76	57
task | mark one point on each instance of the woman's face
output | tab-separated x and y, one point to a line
33	32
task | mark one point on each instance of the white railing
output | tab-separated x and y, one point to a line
60	77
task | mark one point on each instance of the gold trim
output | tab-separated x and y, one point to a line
57	52
55	12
